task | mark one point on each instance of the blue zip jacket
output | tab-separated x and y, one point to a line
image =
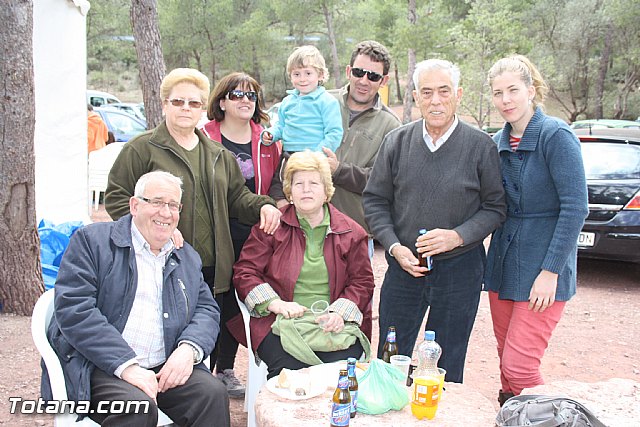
310	121
94	293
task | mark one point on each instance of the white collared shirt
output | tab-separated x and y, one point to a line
144	329
440	142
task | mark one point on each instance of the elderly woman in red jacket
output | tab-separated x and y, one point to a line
318	253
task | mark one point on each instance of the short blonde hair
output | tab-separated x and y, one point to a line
528	73
308	56
308	161
185	75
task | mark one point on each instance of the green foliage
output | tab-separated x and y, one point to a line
565	38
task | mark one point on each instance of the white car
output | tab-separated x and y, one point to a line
98	98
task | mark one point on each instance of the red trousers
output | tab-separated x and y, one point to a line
523	336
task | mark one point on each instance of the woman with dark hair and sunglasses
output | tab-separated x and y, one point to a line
214	185
236	111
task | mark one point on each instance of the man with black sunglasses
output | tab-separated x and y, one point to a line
365	122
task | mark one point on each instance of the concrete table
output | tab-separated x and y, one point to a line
460	406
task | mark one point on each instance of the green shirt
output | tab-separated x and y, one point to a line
313	282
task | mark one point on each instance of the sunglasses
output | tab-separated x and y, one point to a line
371	75
237	94
179	102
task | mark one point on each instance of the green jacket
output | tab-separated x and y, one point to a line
229	197
357	153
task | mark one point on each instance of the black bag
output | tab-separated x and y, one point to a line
545	411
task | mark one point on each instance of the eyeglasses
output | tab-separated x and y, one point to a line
371	75
179	102
237	94
159	204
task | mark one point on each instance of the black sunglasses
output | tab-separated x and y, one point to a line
371	75
237	94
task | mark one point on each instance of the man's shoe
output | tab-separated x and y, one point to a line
233	384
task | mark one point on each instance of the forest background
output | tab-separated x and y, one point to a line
588	50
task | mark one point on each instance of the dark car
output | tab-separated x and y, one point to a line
612	165
122	125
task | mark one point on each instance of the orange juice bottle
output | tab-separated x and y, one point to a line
424	402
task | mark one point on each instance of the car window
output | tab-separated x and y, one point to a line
611	161
96	101
125	124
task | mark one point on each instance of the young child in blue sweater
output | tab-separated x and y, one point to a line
309	118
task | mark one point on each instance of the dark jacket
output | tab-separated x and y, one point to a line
277	259
94	293
157	150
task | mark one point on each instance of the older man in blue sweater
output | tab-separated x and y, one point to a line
442	175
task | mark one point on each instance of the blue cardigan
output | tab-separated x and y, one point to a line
546	193
308	121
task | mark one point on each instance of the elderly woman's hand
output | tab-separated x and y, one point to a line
333	322
269	218
288	309
178	240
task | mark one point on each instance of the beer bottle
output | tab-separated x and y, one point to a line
390	347
427	261
353	385
341	408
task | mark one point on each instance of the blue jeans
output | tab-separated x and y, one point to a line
451	293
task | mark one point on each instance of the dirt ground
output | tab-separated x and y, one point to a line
596	339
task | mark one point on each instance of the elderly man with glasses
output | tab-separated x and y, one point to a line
134	318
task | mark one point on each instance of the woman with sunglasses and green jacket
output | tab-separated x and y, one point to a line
214	187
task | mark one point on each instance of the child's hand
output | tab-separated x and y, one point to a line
267	138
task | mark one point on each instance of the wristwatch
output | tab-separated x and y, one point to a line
196	353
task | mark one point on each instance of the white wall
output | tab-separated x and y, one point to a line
60	67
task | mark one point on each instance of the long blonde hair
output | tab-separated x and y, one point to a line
528	73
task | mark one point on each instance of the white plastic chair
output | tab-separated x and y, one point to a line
256	372
40	319
100	162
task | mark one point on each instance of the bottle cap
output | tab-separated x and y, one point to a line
429	335
351	360
422	231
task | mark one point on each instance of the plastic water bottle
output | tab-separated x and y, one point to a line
429	352
427	381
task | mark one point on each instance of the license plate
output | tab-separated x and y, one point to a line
586	239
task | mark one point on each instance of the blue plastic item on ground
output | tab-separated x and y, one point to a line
54	240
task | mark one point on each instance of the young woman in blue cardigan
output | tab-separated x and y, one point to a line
531	265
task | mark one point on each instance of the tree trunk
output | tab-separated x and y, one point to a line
398	88
21	273
408	98
602	72
328	17
144	20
